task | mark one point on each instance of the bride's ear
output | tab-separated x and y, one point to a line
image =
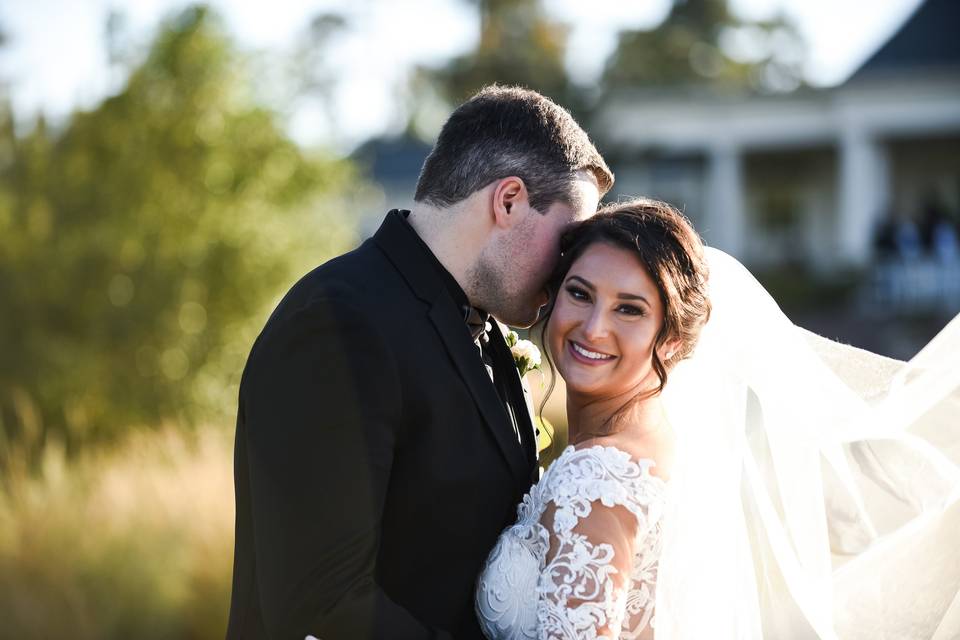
668	349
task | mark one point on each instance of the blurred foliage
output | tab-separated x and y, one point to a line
142	246
126	542
703	42
301	78
311	70
520	44
700	42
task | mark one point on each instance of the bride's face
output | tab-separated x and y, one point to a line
604	324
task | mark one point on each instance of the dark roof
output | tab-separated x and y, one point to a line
392	159
929	38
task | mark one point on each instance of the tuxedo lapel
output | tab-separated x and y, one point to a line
399	243
519	394
466	357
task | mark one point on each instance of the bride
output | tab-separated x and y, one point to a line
729	475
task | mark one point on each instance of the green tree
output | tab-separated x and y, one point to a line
700	42
520	44
703	42
142	246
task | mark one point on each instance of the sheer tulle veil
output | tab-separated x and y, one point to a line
816	487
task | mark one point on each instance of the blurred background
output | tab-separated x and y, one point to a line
168	170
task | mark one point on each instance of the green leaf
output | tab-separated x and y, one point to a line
545	433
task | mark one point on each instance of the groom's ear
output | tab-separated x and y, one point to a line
510	201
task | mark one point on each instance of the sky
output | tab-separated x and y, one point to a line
55	60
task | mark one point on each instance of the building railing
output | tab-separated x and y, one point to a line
917	285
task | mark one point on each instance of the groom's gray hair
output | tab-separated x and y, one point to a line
510	131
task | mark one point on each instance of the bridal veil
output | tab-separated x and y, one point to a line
817	487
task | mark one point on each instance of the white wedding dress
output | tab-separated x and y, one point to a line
815	493
527	591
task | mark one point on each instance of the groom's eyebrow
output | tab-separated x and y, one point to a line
622	296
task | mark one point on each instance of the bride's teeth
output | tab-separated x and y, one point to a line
593	355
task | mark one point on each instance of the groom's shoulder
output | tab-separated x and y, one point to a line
353	282
358	276
336	297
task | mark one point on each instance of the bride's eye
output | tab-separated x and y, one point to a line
577	293
631	310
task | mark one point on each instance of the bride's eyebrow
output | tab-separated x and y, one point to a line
633	296
621	295
583	282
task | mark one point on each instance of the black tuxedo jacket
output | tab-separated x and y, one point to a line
375	463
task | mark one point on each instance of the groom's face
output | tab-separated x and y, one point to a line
520	280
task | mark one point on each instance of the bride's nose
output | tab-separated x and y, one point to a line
595	325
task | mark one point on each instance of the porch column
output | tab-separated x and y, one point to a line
725	215
864	195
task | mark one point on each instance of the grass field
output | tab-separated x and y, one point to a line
136	541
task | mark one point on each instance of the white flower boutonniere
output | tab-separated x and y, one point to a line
525	354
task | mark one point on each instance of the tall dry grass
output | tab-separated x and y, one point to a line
131	541
136	541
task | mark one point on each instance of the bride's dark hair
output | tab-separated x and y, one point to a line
671	250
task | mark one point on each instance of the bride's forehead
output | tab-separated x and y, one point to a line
611	264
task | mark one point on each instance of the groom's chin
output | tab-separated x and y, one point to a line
534	312
522	320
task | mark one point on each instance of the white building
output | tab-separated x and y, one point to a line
803	178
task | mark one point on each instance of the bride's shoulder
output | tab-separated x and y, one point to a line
600	459
653	456
601	472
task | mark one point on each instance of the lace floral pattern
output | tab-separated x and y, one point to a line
530	588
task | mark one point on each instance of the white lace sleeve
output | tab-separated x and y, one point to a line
595	518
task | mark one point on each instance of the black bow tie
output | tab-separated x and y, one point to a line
476	320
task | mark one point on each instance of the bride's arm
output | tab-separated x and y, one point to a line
582	591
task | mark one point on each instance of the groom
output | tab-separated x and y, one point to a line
383	440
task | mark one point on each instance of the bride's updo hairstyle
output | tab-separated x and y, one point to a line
666	244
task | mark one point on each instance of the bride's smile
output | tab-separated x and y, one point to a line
582	354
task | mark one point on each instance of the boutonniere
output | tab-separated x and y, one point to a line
525	354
